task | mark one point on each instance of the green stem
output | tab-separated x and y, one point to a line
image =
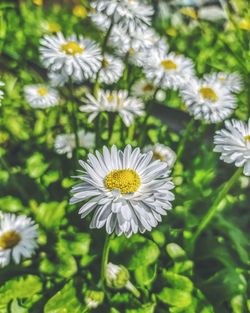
105	256
73	110
184	139
214	208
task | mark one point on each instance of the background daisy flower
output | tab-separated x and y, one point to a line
111	70
18	236
41	96
208	100
127	190
233	142
162	153
77	58
113	101
168	70
231	81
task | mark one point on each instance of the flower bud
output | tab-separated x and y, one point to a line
93	299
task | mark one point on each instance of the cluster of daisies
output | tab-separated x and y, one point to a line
128	191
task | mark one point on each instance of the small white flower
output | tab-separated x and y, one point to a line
143	89
127	190
233	142
66	143
130	13
17	238
231	81
162	153
101	20
208	100
58	78
113	101
41	96
111	70
135	44
168	70
76	58
1	92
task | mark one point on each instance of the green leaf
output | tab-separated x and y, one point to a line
20	288
145	275
64	301
177	281
144	253
36	165
175	297
175	251
50	214
145	308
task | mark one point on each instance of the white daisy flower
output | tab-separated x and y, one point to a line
17	238
141	38
162	153
231	81
77	58
209	101
58	78
233	142
101	20
212	13
1	92
66	143
127	190
111	70
41	96
168	69
113	101
130	13
143	89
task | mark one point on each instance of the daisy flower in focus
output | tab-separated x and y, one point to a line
130	13
143	89
162	153
1	92
18	236
41	96
233	142
76	58
111	70
168	70
113	101
208	100
66	143
127	190
231	81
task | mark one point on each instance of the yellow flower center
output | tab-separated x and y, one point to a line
131	51
148	87
110	98
9	240
190	12
80	11
158	156
105	63
127	181
208	94
72	48
54	27
168	65
245	25
247	137
42	91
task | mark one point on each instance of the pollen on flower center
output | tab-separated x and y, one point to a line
105	63
168	65
42	91
9	240
247	137
158	156
127	181
208	94
72	48
148	87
